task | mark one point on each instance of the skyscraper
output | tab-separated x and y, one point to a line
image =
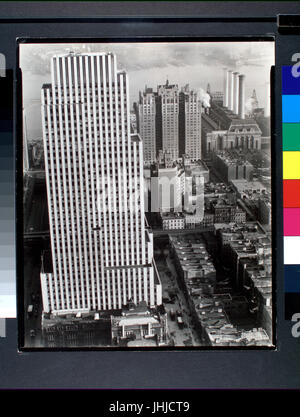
169	120
190	109
102	253
146	123
157	116
169	110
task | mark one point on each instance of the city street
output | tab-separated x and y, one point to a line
32	296
201	229
36	216
185	336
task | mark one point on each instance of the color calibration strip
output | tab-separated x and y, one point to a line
7	199
291	178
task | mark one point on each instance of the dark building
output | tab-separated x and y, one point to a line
80	330
232	166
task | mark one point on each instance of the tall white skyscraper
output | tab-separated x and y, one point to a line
102	253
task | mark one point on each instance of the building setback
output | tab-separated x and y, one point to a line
169	120
169	103
101	251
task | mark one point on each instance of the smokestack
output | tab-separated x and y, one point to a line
242	96
225	89
235	92
230	90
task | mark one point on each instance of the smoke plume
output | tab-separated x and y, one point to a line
204	97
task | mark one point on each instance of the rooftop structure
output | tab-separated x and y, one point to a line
140	324
249	189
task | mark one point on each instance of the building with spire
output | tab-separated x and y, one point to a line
254	100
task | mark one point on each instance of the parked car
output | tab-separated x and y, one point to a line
30	310
180	322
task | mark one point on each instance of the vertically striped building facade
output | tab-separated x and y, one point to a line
147	124
102	253
190	110
169	101
169	120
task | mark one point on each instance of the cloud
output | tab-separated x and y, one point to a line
150	63
140	56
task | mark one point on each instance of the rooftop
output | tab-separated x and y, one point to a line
244	185
172	216
233	158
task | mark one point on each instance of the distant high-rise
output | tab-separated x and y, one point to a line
146	123
254	101
102	253
169	120
190	109
169	110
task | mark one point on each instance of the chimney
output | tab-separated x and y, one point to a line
235	92
230	90
242	96
225	89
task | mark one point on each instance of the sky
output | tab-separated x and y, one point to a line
149	63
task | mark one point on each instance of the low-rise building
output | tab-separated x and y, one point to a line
228	335
172	221
225	211
221	190
259	285
232	165
192	259
214	311
193	220
247	251
140	323
248	189
88	329
222	129
264	210
195	169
